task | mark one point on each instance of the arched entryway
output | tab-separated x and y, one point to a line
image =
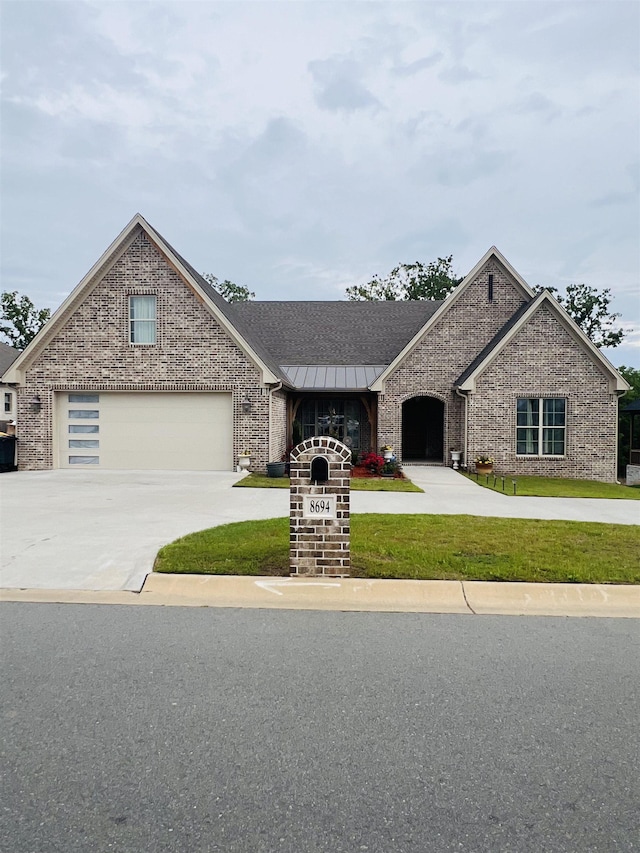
423	430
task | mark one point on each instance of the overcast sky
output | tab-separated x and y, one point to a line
300	147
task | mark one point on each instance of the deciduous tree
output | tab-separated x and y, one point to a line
589	307
230	291
21	320
434	280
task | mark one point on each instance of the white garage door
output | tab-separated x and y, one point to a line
188	431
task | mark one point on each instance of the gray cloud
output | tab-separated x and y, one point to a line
457	74
410	68
338	87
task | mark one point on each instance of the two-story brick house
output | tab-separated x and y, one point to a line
146	366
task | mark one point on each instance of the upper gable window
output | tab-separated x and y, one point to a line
142	320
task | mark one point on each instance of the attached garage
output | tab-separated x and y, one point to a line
189	431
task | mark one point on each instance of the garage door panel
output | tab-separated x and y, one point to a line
161	431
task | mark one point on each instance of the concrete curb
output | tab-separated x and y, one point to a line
358	594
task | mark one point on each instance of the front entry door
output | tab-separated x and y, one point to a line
423	430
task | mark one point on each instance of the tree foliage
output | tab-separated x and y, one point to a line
434	280
230	291
21	320
589	307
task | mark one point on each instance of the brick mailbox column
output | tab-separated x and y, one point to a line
320	469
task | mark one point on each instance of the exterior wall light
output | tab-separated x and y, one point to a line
36	403
246	405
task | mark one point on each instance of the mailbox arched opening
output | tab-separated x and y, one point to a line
319	470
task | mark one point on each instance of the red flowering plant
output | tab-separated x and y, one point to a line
372	462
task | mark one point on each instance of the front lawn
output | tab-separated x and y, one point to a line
358	484
555	487
433	547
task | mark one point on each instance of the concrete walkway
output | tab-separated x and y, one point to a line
81	530
448	493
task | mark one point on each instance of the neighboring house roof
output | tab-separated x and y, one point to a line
7	356
632	407
466	382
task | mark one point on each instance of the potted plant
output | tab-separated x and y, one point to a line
484	463
244	459
387	452
275	469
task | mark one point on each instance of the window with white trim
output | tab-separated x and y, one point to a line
541	425
7	403
142	319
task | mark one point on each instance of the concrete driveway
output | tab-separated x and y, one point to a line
101	530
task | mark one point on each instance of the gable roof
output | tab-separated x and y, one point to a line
211	299
466	381
448	303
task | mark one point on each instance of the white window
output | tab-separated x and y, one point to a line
142	319
7	402
541	425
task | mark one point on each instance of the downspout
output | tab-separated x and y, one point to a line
619	396
277	387
466	424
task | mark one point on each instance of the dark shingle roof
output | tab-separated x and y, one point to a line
7	356
333	333
632	407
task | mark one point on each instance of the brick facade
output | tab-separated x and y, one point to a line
91	350
556	366
447	349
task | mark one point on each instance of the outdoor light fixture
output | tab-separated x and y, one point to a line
36	403
246	405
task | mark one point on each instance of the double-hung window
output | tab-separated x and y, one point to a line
541	426
142	320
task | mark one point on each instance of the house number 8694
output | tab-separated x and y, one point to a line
319	507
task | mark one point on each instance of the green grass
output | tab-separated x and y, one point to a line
427	547
556	487
358	484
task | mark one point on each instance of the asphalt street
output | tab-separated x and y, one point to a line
186	729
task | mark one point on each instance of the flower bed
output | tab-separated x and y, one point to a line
359	471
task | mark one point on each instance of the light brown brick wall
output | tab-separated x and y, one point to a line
320	546
445	352
92	350
544	360
278	431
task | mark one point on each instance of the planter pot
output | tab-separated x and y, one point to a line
244	462
275	469
484	469
455	458
388	454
